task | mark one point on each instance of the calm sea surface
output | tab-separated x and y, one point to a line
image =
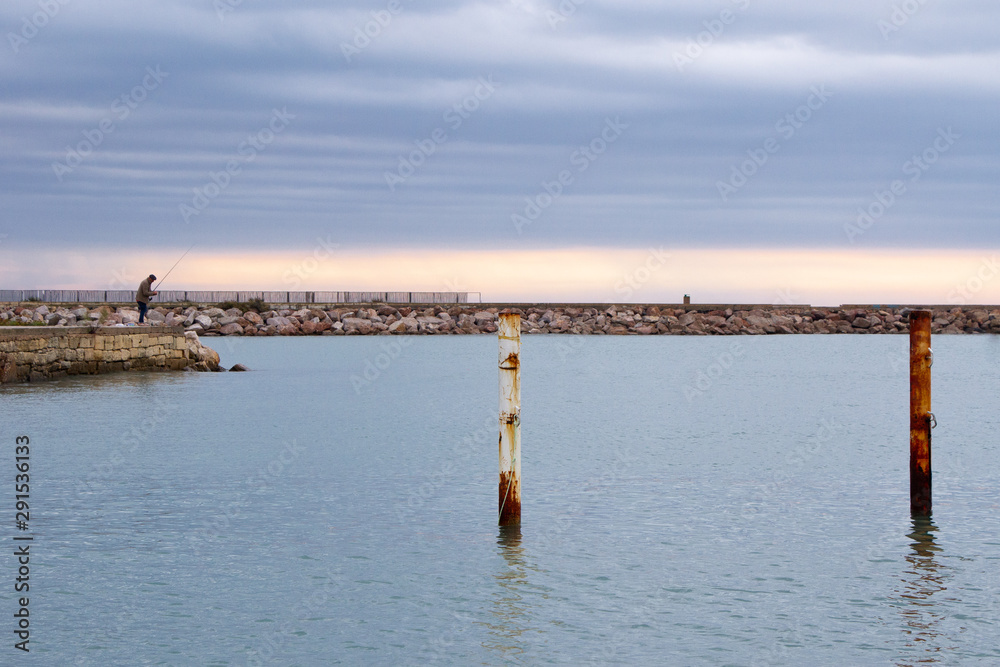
687	501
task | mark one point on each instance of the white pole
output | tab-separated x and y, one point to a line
510	418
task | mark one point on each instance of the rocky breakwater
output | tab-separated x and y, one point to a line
384	319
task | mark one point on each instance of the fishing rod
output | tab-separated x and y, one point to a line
160	281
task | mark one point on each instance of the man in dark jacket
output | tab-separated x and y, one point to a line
143	295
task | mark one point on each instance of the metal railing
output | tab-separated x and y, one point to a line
194	296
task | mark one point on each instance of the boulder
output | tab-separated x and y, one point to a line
357	324
231	329
206	359
204	320
238	368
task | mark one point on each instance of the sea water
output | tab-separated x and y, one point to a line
686	501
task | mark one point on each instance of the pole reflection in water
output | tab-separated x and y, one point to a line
510	614
924	577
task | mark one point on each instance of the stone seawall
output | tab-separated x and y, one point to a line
369	319
29	354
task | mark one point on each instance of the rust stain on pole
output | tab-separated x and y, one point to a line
920	413
509	334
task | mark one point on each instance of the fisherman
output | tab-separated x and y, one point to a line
143	296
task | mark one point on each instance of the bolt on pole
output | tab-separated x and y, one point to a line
509	334
921	417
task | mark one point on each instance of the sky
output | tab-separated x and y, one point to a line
741	151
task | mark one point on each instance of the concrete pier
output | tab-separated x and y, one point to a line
34	353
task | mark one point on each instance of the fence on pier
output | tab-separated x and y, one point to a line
194	296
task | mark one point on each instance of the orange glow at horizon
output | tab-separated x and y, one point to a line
599	275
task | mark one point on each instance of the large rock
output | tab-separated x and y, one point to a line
206	359
357	324
204	320
230	329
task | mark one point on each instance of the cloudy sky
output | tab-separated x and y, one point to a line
634	150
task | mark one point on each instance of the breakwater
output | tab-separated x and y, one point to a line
30	354
594	319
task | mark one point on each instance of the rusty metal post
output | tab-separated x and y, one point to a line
510	418
921	417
